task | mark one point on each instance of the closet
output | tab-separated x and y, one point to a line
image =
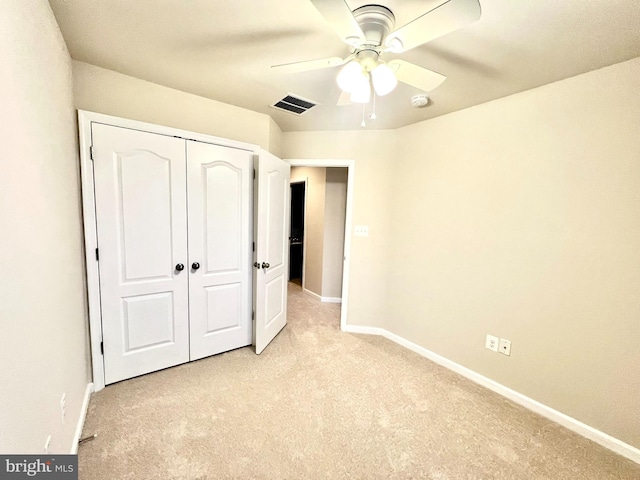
184	262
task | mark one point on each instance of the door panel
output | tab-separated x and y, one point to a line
146	245
276	198
222	192
272	232
148	321
219	189
224	307
274	301
142	234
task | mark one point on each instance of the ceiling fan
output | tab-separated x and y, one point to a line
368	31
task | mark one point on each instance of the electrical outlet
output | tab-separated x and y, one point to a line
491	343
63	406
505	346
47	444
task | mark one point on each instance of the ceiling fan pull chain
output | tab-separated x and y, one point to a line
363	107
373	113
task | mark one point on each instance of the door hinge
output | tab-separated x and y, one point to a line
254	173
253	247
102	348
97	255
253	315
91	152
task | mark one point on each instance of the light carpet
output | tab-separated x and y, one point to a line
322	404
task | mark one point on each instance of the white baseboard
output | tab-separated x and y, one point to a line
323	299
313	294
601	438
83	415
364	330
331	299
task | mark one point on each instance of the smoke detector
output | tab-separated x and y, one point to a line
419	101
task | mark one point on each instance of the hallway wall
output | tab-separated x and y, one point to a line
334	215
326	202
313	224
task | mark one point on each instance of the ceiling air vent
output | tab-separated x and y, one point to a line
294	104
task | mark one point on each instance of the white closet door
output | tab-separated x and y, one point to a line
142	237
219	183
272	245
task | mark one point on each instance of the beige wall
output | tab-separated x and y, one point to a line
43	340
374	153
104	91
335	205
313	224
275	138
521	218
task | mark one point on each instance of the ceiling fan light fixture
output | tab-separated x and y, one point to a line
362	92
349	76
383	78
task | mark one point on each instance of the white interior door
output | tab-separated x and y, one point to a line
271	191
142	239
220	181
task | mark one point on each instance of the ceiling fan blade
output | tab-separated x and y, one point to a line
338	14
446	18
305	66
344	99
416	76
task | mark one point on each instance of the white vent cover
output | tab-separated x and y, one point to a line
294	104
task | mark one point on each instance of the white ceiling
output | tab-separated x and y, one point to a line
223	49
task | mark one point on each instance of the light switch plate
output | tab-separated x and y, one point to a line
362	231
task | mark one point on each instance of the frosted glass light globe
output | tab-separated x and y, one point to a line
349	76
384	80
362	91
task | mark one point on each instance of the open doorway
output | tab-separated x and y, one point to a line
324	234
296	236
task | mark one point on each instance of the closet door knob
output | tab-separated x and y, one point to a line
179	267
195	265
265	265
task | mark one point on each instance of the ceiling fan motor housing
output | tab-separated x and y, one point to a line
376	22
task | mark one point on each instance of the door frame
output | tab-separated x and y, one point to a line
350	165
85	119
